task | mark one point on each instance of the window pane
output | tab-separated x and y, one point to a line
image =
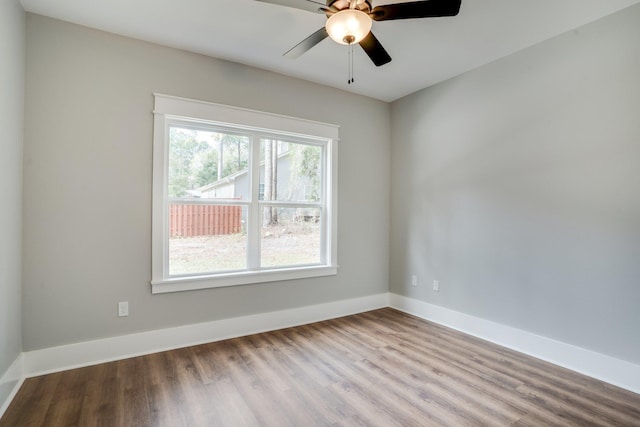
206	238
207	164
290	171
290	236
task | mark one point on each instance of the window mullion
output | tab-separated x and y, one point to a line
253	229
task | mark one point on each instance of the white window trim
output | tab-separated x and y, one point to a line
168	107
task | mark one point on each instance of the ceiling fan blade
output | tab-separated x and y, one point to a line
306	44
416	9
328	10
308	5
374	49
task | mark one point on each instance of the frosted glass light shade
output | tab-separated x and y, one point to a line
348	26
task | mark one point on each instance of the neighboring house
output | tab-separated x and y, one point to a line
236	185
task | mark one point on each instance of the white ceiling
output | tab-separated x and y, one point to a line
424	51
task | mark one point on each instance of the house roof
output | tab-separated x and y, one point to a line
226	180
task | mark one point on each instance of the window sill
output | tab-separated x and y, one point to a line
241	278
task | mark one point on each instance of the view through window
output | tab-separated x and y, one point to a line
209	195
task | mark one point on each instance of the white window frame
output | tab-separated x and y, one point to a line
171	109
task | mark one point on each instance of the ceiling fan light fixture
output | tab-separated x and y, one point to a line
348	26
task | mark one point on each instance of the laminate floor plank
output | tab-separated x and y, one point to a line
381	368
64	408
41	391
299	405
313	384
101	400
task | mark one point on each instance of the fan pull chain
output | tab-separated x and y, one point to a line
350	59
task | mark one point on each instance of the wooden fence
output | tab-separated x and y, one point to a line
203	220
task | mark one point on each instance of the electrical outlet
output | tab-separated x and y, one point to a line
436	285
123	308
414	280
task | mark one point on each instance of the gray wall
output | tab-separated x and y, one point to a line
87	179
12	54
517	185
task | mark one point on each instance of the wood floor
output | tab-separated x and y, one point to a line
381	368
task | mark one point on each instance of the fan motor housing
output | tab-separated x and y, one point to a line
364	6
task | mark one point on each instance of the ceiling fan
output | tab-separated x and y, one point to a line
350	21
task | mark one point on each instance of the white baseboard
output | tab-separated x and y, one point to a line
55	359
10	383
606	368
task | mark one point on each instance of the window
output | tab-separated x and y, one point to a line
240	196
